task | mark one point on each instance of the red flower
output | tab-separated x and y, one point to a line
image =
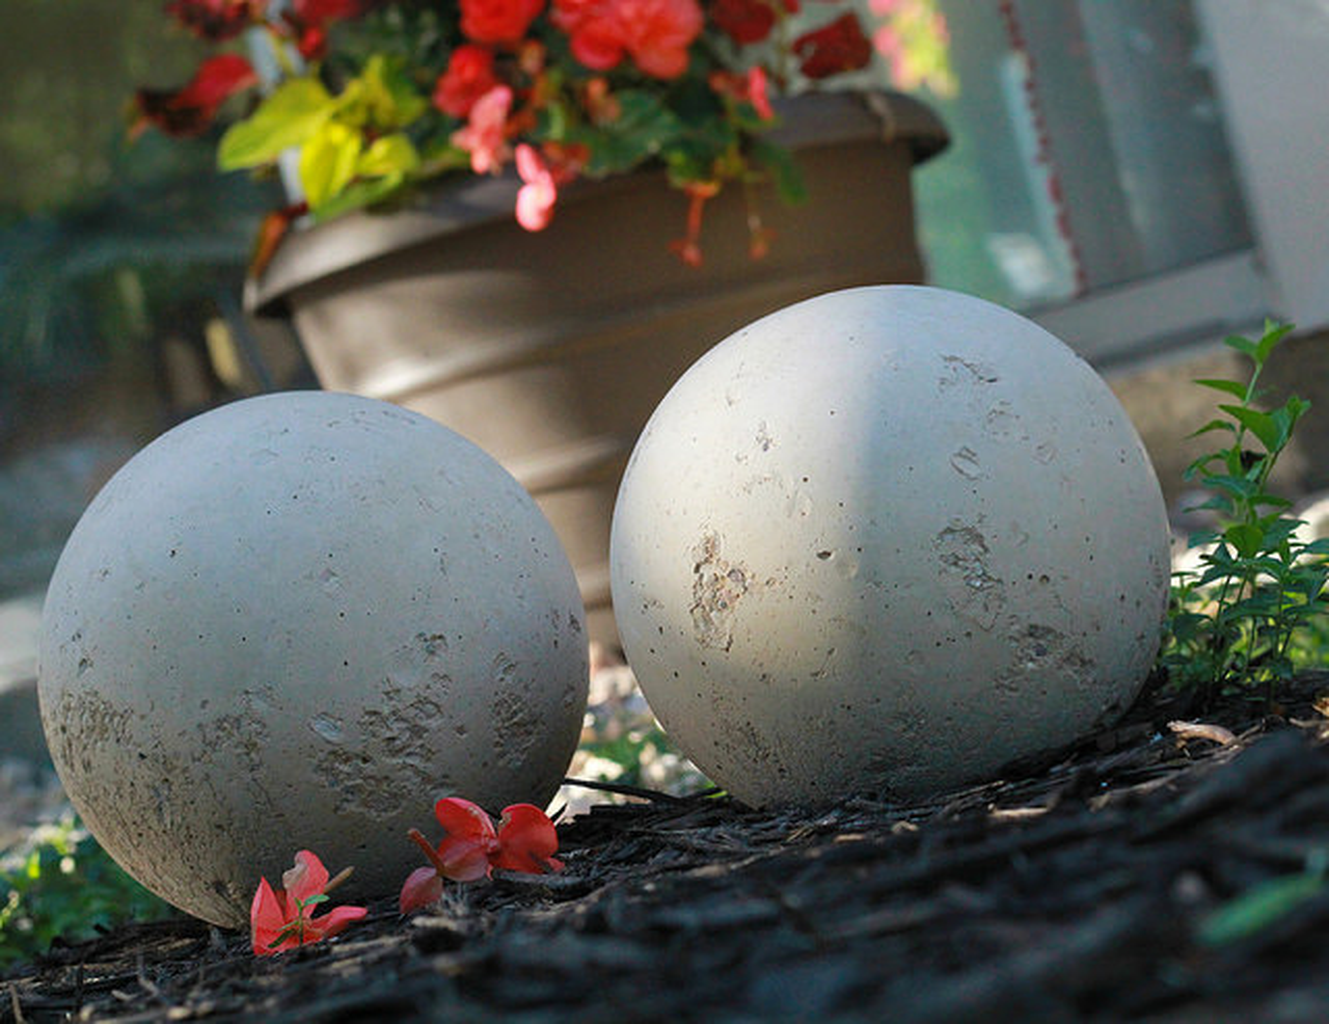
285	918
831	49
469	75
502	22
189	111
748	21
524	841
655	33
217	20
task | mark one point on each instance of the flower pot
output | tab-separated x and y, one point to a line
551	350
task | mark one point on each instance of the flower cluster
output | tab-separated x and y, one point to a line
375	96
471	848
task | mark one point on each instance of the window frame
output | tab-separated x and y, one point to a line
1267	64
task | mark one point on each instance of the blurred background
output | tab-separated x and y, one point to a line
1142	176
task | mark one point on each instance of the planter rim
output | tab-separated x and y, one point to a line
808	120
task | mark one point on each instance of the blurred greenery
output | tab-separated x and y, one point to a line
71	70
98	234
61	884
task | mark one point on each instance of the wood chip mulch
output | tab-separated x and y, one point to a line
1100	886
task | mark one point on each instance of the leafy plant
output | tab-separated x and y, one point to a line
60	883
360	101
1235	620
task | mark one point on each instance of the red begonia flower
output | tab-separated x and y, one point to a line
831	49
655	33
501	22
284	919
217	20
469	75
189	110
744	21
525	840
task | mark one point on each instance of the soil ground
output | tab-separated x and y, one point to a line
1153	873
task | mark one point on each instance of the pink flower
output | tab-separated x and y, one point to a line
535	200
655	33
524	841
498	21
469	75
485	134
285	919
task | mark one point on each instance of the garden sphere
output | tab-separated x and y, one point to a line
887	539
295	622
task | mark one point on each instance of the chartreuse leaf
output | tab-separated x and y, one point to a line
328	162
381	96
389	155
289	116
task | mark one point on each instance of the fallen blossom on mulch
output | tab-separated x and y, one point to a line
1084	887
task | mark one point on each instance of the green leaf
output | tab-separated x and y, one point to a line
358	195
1209	427
643	128
1272	336
1237	486
1242	345
1231	387
1258	908
1261	424
1246	538
291	115
783	169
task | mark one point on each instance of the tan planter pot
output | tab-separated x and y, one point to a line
551	350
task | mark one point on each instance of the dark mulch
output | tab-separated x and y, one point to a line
1078	889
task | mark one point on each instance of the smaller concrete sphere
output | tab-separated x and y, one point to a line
887	539
295	622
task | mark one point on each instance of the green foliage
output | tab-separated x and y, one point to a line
1244	617
60	883
1264	905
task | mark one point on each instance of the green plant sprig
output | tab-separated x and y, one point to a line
1234	622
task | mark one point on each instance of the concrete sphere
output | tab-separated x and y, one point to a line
293	623
890	538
